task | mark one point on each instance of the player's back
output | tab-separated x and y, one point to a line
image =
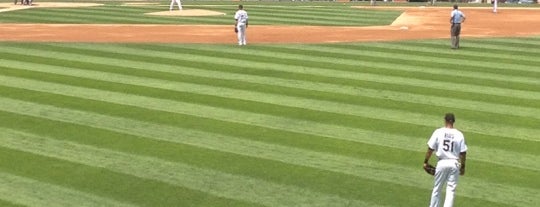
241	16
448	143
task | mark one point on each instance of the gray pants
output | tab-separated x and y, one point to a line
455	31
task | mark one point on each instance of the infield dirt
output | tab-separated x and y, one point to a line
421	23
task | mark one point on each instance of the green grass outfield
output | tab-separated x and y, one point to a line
261	13
264	125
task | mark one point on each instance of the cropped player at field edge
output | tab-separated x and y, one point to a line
456	18
449	145
241	24
178	2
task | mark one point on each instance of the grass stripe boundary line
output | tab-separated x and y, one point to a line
323	87
360	76
364	111
519	159
412	173
221	184
28	192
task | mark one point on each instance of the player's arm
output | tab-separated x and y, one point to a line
462	158
429	152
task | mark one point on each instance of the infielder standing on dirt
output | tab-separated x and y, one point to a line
178	2
241	24
449	145
456	18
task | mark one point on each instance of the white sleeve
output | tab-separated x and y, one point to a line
432	143
463	146
236	15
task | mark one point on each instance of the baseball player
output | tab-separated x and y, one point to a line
456	18
178	2
449	145
24	2
241	24
494	2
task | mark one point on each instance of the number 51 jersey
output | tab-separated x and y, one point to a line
448	143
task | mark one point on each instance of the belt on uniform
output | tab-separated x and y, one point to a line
448	159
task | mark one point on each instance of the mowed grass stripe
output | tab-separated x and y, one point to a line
29	192
92	17
523	146
524	40
423	59
412	57
416	47
520	159
292	111
106	183
321	181
332	15
68	70
209	181
321	18
237	74
26	17
346	61
404	83
413	173
405	97
318	180
246	70
233	61
5	203
513	43
479	46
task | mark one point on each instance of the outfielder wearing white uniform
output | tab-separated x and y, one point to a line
449	146
241	25
178	2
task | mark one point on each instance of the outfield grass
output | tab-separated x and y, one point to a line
261	13
264	125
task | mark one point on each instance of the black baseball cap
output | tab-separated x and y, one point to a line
449	117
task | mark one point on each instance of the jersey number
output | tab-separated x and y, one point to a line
448	145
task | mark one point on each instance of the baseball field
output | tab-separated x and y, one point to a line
104	103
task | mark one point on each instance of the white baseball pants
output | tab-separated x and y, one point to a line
178	2
241	34
447	172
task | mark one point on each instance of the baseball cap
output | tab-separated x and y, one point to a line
449	117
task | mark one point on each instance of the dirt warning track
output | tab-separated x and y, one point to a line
414	23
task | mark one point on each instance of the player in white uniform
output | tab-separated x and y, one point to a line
241	24
178	2
449	145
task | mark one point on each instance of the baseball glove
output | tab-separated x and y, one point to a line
430	169
235	29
